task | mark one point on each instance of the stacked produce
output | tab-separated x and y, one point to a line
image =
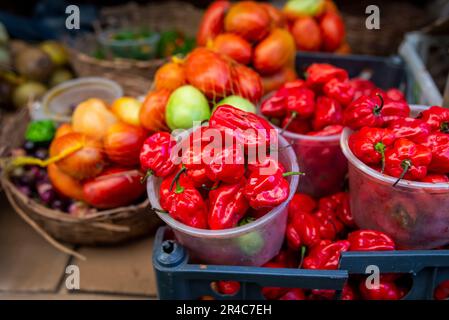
143	44
27	71
187	89
252	34
316	25
316	106
215	186
318	232
92	162
392	142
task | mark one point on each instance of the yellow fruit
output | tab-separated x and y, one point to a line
127	109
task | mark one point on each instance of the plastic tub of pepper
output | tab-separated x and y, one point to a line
247	208
309	114
398	177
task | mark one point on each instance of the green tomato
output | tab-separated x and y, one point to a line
186	105
251	243
304	7
237	102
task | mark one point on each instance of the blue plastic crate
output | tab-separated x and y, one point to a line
179	279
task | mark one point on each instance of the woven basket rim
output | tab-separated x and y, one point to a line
65	217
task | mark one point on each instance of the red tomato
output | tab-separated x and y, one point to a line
307	34
123	143
332	31
115	187
212	23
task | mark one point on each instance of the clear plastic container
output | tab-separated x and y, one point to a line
59	103
414	214
250	245
322	161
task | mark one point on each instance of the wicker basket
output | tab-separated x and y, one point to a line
134	76
105	227
396	18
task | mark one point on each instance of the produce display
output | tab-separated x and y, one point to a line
205	191
401	160
251	33
29	70
143	44
316	25
88	164
310	113
187	89
318	232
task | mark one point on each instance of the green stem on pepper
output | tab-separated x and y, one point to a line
293	173
147	174
289	122
176	180
303	254
406	164
378	109
380	147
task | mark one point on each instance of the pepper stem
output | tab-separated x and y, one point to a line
160	210
380	147
147	174
405	164
22	161
214	186
378	109
293	173
303	254
179	189
444	127
289	122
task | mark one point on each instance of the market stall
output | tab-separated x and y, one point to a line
267	160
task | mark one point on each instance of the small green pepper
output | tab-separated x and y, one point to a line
40	131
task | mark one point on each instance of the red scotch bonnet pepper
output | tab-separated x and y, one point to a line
216	186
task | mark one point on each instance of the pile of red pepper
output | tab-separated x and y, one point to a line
216	186
317	233
316	106
390	141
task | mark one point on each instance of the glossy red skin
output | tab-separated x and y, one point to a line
297	125
227	116
364	112
228	287
332	31
328	112
123	144
268	163
343	210
370	240
115	187
307	227
212	23
155	154
198	177
386	291
395	95
186	205
274	107
325	256
294	294
393	110
318	74
321	294
362	87
348	293
413	129
301	101
435	178
403	149
210	72
328	224
249	20
437	118
233	46
342	91
438	143
164	189
228	205
266	190
226	164
247	83
363	144
301	203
